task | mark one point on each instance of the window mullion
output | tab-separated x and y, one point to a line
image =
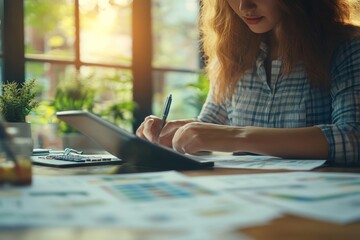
77	35
13	41
142	59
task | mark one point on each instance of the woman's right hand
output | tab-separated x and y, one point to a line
151	130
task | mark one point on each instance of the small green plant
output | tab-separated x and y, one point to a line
110	99
18	100
119	110
119	113
74	94
200	90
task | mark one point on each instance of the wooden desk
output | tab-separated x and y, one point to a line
287	227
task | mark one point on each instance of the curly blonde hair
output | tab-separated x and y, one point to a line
310	33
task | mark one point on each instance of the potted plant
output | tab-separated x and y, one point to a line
16	103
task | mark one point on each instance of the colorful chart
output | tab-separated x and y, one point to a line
156	191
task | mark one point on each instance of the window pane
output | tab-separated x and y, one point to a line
113	96
48	76
1	70
112	99
43	120
1	40
184	104
175	34
106	31
1	25
49	28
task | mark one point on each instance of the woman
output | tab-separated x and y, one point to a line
285	81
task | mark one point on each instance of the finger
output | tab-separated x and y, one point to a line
177	143
165	140
164	131
139	131
186	141
144	125
178	148
148	131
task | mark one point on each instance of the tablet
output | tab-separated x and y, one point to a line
127	146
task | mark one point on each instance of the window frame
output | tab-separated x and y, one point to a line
13	48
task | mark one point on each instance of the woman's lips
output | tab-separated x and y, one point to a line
253	20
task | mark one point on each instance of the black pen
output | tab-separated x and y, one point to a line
166	110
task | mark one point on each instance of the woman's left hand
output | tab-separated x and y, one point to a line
197	137
308	142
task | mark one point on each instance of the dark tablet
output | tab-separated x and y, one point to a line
127	146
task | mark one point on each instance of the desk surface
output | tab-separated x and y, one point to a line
287	227
294	227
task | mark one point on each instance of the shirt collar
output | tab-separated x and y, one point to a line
262	55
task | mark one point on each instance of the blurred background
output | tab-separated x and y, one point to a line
117	58
123	56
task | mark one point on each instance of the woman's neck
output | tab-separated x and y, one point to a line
273	45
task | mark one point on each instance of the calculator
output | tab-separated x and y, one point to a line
75	160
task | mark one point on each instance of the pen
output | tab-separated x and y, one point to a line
166	110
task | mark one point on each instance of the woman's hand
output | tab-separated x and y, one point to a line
303	143
151	130
189	136
198	137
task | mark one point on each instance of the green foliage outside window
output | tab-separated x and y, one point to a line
200	90
120	109
109	98
73	94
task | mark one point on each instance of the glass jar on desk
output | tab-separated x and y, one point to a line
15	157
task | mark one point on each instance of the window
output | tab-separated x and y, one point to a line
128	50
175	36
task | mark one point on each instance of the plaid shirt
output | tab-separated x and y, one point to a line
289	102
